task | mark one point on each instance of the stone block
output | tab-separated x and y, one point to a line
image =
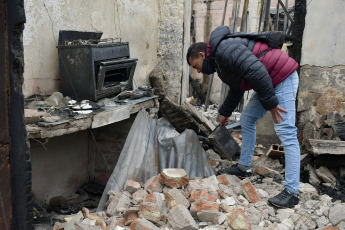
142	224
139	195
313	178
330	101
174	178
237	220
336	214
249	191
180	218
154	185
208	216
175	197
119	203
132	186
150	212
325	175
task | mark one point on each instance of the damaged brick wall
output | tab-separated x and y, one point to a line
322	72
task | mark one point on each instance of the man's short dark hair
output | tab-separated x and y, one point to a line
194	50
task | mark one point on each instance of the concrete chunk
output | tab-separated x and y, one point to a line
142	224
119	203
237	220
150	212
174	177
175	197
180	219
132	186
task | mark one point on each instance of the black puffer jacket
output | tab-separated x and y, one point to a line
233	59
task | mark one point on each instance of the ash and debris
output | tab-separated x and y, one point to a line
218	202
212	113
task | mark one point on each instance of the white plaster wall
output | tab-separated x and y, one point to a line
324	33
135	21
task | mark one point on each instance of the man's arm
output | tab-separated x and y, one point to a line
231	102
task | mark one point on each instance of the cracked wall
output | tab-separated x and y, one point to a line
153	29
322	73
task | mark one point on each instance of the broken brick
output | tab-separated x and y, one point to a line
131	215
156	199
132	186
249	191
330	227
203	193
237	220
154	185
175	197
119	203
203	204
174	178
149	212
139	195
142	224
121	222
223	179
267	172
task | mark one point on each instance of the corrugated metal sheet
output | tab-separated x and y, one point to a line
153	145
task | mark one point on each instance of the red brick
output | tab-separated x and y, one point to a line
139	195
154	185
238	220
249	191
121	222
130	217
330	227
266	172
203	204
149	198
222	179
203	193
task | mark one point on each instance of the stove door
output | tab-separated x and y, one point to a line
115	76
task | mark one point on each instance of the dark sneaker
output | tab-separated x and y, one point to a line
285	199
235	170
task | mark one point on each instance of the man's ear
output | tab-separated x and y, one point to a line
202	55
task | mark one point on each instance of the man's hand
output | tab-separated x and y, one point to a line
276	114
223	120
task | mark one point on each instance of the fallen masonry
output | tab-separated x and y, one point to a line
222	202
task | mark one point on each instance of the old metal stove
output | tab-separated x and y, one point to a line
92	68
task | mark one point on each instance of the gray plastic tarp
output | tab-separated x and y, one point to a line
151	146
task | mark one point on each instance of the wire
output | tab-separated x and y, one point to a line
51	21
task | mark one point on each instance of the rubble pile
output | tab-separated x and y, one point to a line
171	200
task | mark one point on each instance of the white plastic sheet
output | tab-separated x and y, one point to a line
151	146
